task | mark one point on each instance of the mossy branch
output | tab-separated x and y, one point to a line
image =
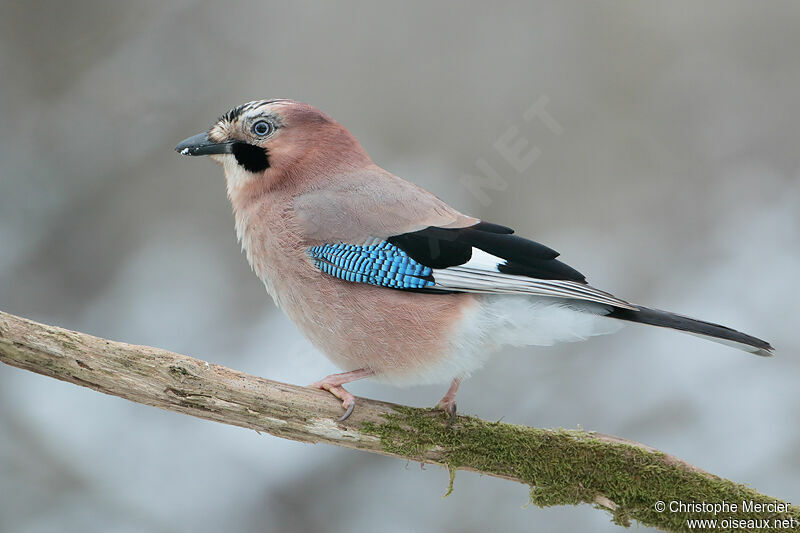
561	466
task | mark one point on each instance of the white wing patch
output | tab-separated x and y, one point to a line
480	274
481	260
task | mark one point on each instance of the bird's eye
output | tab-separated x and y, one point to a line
262	128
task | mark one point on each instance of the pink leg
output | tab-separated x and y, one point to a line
334	382
448	402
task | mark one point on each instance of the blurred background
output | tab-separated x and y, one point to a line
665	166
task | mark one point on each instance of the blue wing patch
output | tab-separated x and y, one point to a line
382	264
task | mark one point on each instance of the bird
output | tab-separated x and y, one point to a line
383	277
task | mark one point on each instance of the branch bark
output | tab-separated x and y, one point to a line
561	466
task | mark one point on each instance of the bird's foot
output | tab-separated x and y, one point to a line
348	400
448	402
334	382
449	408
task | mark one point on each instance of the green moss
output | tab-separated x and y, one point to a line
564	467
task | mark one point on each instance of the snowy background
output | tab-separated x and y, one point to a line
669	174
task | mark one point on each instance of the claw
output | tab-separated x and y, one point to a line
452	412
349	412
449	409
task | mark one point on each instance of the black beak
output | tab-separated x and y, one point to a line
200	144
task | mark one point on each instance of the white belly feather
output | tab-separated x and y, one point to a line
514	320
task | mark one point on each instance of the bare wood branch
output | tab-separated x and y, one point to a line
561	466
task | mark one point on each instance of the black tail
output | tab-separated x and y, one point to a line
714	332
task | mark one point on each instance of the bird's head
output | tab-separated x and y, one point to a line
271	142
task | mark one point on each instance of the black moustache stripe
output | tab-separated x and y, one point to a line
251	158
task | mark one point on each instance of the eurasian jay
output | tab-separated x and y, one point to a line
386	279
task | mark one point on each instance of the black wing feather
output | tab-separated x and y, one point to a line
443	247
491	228
433	247
510	247
543	269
